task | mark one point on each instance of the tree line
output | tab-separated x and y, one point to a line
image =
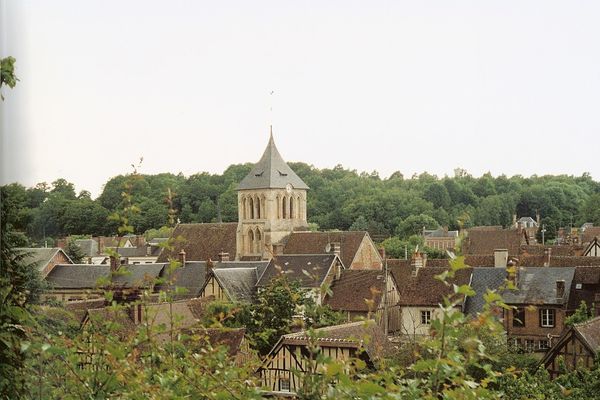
339	198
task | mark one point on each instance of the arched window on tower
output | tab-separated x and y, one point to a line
258	208
278	201
298	208
283	208
258	241
292	208
250	246
244	205
251	208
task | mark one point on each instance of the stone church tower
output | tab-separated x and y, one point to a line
271	204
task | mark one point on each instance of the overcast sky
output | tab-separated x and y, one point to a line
499	86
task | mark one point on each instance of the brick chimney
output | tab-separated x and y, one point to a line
418	261
560	289
513	273
223	256
382	253
547	255
182	257
500	258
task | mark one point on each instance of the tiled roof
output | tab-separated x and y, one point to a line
482	241
590	332
559	261
397	263
538	286
316	243
561	250
424	289
121	323
309	269
365	334
79	308
590	233
481	280
231	338
271	172
202	241
479	260
354	288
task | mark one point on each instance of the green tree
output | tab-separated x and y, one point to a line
74	252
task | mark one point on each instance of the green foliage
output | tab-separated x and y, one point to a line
74	252
582	314
7	73
317	316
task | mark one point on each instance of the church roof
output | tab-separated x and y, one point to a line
271	172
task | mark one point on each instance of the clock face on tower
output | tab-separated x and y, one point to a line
288	188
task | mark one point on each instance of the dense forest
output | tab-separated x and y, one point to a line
338	199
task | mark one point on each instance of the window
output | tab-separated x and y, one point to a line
425	317
543	345
529	345
284	385
547	317
518	317
578	286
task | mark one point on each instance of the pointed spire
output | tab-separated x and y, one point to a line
271	171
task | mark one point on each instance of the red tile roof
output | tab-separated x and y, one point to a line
316	243
202	241
354	289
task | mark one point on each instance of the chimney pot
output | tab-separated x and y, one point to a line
560	289
382	253
182	257
223	256
547	255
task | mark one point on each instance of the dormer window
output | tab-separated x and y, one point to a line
259	174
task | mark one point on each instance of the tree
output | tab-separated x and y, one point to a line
7	73
414	225
74	252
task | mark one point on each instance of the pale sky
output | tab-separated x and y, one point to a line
502	86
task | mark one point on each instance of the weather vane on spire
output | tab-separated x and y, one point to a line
271	110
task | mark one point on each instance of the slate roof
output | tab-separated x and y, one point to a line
440	233
131	251
424	289
190	277
294	267
77	276
259	266
365	334
271	172
538	286
481	280
238	283
138	275
354	288
89	247
316	243
40	256
202	241
484	241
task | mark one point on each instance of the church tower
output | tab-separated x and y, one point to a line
271	204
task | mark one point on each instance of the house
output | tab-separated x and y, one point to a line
440	239
233	281
44	259
592	249
314	272
279	374
588	233
585	288
421	294
540	304
167	318
482	280
577	347
69	282
361	294
355	248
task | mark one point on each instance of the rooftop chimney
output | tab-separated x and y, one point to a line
513	273
382	253
547	254
500	258
560	289
418	261
335	248
223	256
182	257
